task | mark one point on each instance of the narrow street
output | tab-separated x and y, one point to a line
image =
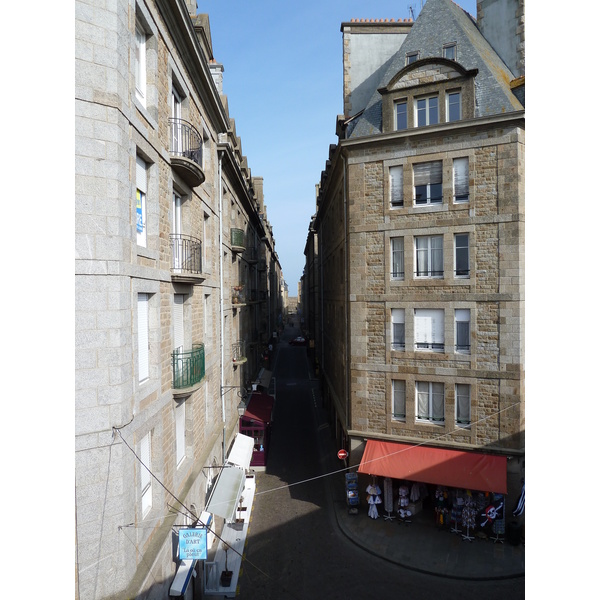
295	550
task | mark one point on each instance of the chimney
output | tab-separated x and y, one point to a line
216	70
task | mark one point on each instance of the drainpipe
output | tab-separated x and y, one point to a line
347	297
221	308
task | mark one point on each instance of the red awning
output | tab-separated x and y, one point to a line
452	468
260	407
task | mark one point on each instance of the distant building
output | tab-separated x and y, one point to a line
177	287
415	256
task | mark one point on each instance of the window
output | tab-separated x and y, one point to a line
427	180
398	399
397	186
429	255
141	184
426	111
411	57
453	107
397	258
145	477
176	127
143	338
461	255
460	167
179	432
463	404
140	64
429	329
430	401
449	51
462	330
397	329
401	116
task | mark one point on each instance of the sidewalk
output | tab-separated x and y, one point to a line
421	546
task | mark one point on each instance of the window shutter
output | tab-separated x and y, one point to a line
141	181
178	331
180	432
430	172
461	179
143	338
399	398
397	185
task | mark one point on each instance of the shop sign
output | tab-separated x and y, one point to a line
192	544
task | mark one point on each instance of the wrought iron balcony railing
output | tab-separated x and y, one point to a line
238	353
188	366
238	239
186	145
187	254
186	141
237	295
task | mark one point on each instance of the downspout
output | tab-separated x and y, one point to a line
347	297
221	307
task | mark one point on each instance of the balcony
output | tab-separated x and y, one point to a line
186	151
238	353
238	297
188	370
238	240
186	266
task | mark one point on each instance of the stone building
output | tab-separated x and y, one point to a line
420	259
177	287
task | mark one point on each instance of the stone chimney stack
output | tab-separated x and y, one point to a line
216	70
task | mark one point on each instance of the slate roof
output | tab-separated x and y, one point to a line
441	22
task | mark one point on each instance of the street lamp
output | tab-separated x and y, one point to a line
241	408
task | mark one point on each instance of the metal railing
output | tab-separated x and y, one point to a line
188	366
238	352
186	141
238	238
187	253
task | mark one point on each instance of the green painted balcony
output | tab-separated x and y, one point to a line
188	369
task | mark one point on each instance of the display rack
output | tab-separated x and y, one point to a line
352	498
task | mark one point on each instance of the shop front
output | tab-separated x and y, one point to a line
256	424
464	492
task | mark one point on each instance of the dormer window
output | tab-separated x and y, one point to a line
411	57
426	111
401	115
453	106
449	51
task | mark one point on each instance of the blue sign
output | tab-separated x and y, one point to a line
192	544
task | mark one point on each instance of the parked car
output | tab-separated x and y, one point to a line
298	341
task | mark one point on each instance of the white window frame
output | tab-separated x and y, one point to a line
179	433
462	405
447	48
459	251
426	175
143	306
449	104
397	105
141	185
411	57
397	258
398	334
397	186
426	111
429	398
429	329
398	400
140	67
460	180
429	252
145	476
462	322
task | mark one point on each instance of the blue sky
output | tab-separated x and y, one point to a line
283	81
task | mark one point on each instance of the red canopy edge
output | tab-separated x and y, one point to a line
260	407
452	468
